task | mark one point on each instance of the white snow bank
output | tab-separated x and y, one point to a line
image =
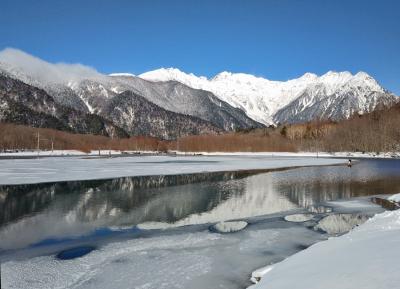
26	171
259	273
395	198
384	155
367	257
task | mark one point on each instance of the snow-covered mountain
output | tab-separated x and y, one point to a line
333	95
158	99
21	103
87	90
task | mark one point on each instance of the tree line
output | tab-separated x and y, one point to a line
378	131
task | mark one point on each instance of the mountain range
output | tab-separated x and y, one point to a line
168	103
334	95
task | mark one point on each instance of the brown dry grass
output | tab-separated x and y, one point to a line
19	137
257	141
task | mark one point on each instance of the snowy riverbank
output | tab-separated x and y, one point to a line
105	153
47	169
366	257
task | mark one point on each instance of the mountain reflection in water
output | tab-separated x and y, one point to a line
67	209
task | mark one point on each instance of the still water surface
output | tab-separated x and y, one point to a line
30	214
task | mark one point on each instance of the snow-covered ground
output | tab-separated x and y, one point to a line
367	257
25	171
34	153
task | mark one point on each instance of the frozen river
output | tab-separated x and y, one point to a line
156	231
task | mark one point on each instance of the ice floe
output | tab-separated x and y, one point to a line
229	227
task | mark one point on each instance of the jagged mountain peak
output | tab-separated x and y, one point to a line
222	75
337	74
362	74
308	76
171	73
239	78
361	78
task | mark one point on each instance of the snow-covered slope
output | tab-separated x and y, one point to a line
367	257
270	102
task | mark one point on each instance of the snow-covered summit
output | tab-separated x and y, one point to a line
308	76
122	74
173	74
262	98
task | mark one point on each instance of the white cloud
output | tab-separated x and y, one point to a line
43	71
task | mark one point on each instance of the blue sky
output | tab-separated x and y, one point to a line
276	39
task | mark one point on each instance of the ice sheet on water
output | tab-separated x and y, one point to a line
194	259
25	171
